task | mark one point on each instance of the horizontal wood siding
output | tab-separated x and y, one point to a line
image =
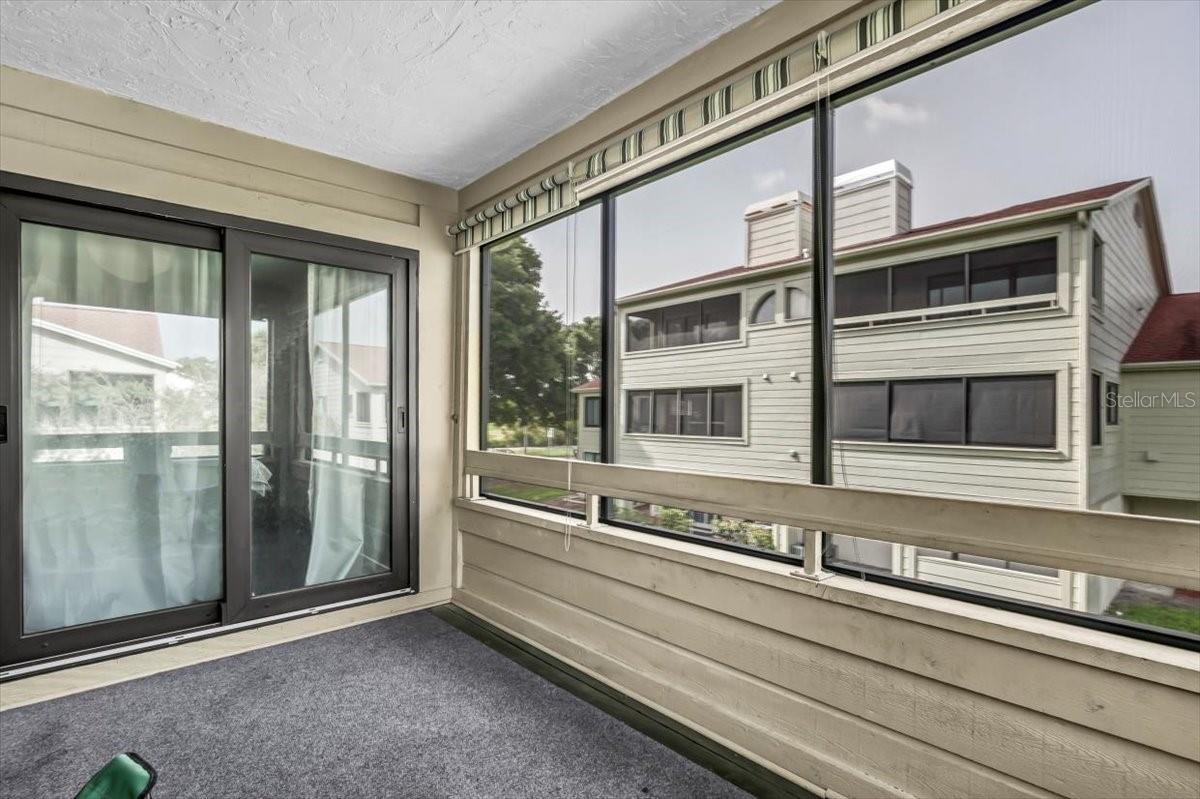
1161	444
1129	294
774	237
820	683
864	214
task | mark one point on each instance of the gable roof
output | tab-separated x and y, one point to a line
1171	331
368	362
591	385
134	330
1095	194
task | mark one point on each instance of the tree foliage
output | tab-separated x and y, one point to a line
535	357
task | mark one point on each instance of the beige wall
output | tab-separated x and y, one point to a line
861	689
55	130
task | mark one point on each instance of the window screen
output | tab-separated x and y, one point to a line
727	412
927	411
638	413
693	413
1011	411
721	318
929	284
1018	270
666	412
860	293
860	411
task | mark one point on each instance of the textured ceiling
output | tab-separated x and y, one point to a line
444	91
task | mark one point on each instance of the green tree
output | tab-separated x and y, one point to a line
740	531
675	519
528	364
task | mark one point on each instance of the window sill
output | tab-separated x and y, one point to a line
741	441
1143	659
709	347
1041	305
1030	453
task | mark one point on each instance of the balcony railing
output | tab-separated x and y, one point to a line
1146	549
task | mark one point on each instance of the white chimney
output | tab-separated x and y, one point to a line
778	229
871	203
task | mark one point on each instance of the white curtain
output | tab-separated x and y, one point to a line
121	479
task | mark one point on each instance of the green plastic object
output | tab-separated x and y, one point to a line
126	776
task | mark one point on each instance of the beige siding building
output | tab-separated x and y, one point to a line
1013	324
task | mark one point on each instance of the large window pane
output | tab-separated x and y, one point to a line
122	449
731	234
320	473
1069	192
543	349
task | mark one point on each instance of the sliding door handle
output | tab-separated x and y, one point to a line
401	418
3	424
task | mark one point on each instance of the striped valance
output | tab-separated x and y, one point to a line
548	196
789	67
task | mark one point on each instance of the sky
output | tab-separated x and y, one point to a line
1107	93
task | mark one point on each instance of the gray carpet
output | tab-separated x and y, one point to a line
404	707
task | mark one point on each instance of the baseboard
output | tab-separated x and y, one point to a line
728	764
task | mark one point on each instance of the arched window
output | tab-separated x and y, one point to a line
764	311
799	306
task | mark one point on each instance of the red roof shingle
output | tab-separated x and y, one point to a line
1171	331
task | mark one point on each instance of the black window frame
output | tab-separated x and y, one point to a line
1112	396
965	382
823	315
1097	278
1096	409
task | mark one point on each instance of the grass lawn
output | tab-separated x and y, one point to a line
524	491
1183	619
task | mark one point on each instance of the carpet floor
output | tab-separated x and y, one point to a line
404	707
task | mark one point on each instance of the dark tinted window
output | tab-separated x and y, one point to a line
1014	271
591	412
1111	394
638	414
727	412
927	411
861	293
721	318
681	325
693	413
641	329
1011	411
928	284
1097	267
860	411
1097	427
666	413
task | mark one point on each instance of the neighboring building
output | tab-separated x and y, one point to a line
1158	411
588	416
367	375
971	359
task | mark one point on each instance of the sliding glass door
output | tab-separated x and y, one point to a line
323	337
199	426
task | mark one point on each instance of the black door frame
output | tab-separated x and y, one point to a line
240	602
26	198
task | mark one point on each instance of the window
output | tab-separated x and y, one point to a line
1016	411
708	412
591	411
764	311
1097	268
1011	411
1096	416
362	407
928	284
705	322
998	273
799	304
1112	401
1016	271
591	457
541	345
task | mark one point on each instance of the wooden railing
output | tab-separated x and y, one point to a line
1151	550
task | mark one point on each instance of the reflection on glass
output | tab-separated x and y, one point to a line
1057	269
320	357
543	342
120	385
752	535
